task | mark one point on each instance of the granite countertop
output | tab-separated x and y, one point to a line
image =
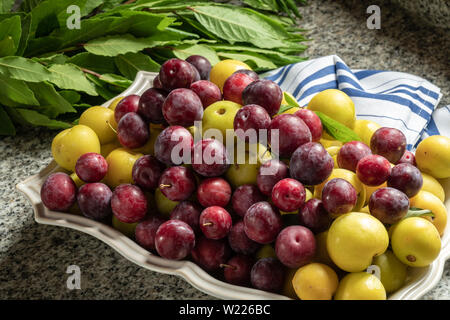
34	258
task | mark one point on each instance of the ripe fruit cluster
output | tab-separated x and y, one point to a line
292	225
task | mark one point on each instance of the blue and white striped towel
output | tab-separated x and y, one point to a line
392	99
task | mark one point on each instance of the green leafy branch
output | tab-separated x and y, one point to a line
49	74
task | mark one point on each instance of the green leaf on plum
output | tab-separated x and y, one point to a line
283	108
290	100
336	129
418	212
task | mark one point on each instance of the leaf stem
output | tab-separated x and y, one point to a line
98	75
68	49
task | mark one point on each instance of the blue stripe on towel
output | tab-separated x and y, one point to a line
317	75
366	73
411	106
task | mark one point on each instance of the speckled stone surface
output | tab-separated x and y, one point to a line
435	13
34	258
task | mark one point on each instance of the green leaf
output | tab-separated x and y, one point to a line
6	5
100	64
101	26
197	26
277	57
52	58
283	7
7	47
16	92
110	4
100	87
131	63
36	47
293	7
26	27
418	212
270	5
241	25
166	5
63	38
71	96
336	129
255	60
114	45
138	23
145	24
116	80
120	44
69	76
37	119
86	7
52	104
11	29
277	25
185	50
82	106
105	93
45	18
28	5
290	99
6	125
178	34
23	69
283	108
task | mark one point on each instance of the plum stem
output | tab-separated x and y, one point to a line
162	186
224	265
208	224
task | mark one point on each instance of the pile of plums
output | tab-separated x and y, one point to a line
220	227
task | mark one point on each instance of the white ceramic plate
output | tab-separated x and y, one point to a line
420	280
